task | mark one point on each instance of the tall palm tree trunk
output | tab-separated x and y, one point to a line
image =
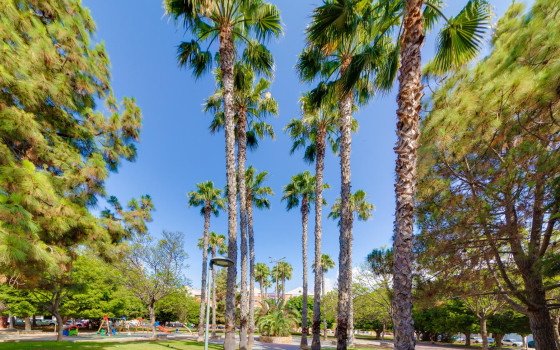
408	131
201	318
213	296
304	220
263	293
319	168
251	272
227	59
350	292
324	305
345	238
241	157
283	286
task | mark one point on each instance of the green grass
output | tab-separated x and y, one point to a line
145	345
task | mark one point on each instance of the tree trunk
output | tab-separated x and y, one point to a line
34	321
263	292
59	324
383	331
351	294
227	57
483	333
467	339
12	323
283	287
408	130
498	340
555	324
27	323
213	295
324	305
345	238
241	157
319	168
201	318
152	311
251	272
304	220
542	329
524	339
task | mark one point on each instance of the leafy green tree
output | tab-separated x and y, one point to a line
97	290
297	303
373	298
18	302
229	22
152	270
177	306
505	322
58	144
330	304
210	200
301	189
494	173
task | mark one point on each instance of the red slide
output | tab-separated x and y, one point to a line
163	329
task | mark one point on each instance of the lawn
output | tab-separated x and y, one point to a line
145	345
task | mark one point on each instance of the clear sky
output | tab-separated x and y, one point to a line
177	150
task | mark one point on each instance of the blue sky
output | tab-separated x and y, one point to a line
177	151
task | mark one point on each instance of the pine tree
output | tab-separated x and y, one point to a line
57	145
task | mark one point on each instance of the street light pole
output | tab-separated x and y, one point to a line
223	262
208	306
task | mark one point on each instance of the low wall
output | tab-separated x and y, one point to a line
275	340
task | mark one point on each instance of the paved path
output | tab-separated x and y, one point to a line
360	343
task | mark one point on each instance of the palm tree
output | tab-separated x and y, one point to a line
267	284
256	196
216	244
362	209
253	104
210	200
282	271
331	51
301	189
459	41
228	21
262	273
326	264
311	132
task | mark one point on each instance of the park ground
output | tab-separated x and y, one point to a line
176	341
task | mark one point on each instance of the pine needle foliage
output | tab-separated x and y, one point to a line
57	143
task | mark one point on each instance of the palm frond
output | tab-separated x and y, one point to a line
432	13
259	58
190	55
461	38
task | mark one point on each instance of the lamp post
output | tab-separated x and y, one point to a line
222	262
276	261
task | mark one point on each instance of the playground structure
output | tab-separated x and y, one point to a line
112	326
71	331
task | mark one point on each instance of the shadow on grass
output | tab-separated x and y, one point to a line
136	345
